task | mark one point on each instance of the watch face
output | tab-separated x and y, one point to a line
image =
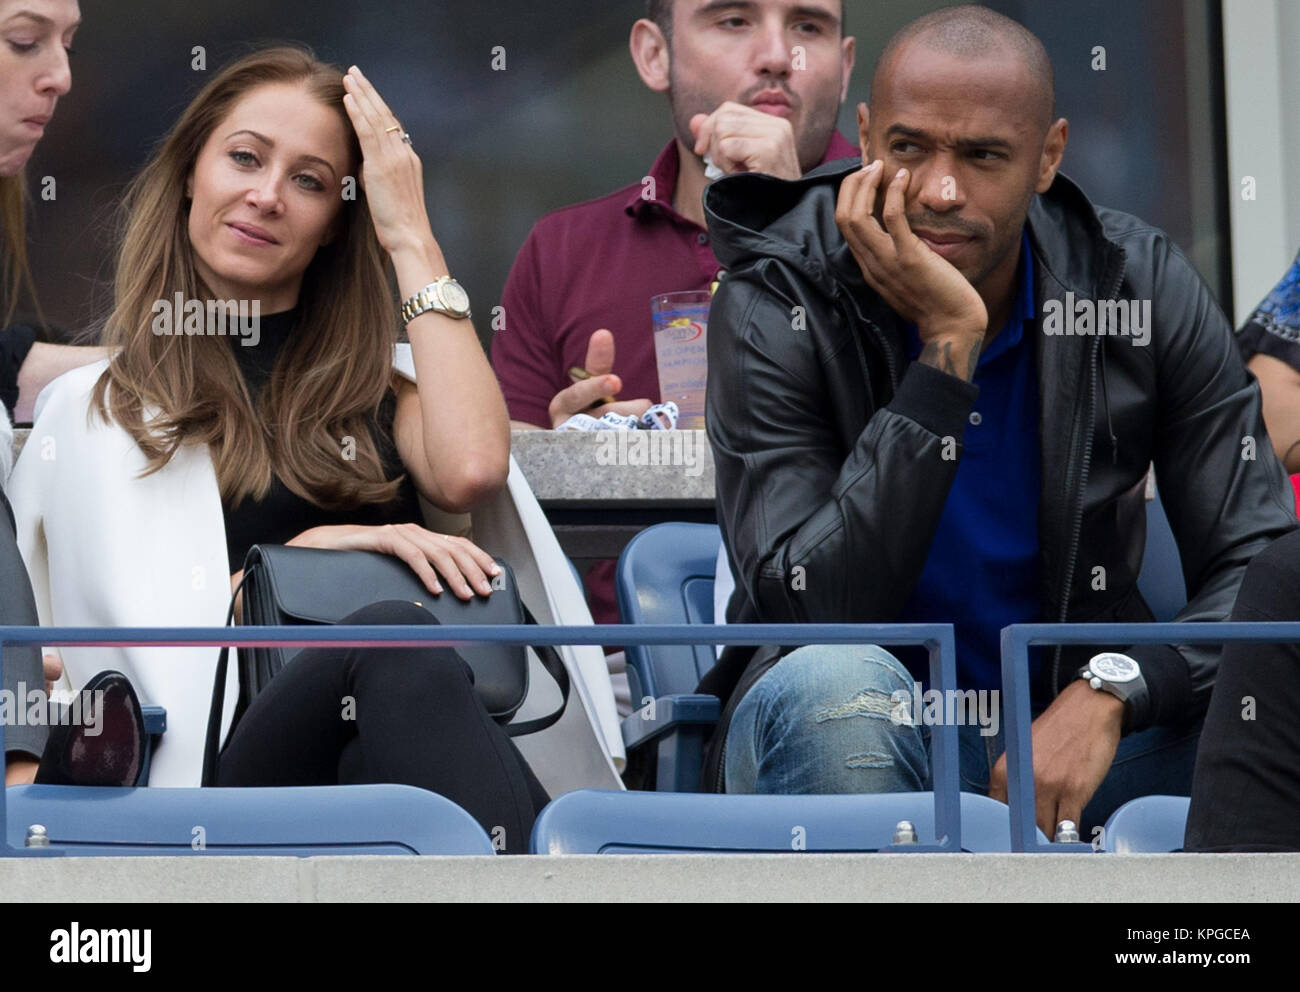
1114	667
455	297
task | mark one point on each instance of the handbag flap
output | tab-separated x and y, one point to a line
319	585
309	585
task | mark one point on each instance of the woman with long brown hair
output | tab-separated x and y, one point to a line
274	205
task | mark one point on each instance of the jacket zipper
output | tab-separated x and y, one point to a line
1076	529
854	310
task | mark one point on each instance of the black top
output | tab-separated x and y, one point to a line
15	343
283	514
1274	328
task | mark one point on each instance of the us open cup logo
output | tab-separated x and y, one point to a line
683	329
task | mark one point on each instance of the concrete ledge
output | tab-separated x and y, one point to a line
193	879
616	468
662	878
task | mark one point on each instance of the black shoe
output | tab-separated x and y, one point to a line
106	746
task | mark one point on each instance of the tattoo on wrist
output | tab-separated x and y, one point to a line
938	354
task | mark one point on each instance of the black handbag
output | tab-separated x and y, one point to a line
289	585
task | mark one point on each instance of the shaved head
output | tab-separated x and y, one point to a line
961	114
971	33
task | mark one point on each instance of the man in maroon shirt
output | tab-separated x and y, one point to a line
755	85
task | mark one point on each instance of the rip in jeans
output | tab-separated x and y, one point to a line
873	704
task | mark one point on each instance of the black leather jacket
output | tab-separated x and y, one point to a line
828	443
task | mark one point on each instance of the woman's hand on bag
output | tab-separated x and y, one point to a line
391	174
466	567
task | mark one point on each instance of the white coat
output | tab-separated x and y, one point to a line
107	546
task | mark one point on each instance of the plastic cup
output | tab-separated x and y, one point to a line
681	328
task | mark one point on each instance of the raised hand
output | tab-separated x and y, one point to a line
587	395
391	173
741	139
916	282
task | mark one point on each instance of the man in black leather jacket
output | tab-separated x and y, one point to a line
836	455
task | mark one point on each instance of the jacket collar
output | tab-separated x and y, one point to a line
1070	245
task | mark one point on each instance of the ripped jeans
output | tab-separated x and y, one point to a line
839	719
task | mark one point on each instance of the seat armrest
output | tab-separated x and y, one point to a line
668	713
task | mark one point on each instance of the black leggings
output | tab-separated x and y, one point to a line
1246	790
386	714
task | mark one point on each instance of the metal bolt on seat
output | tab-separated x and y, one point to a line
904	832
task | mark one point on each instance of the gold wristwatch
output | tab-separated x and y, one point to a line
445	295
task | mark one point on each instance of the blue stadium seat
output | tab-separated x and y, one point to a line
665	575
1161	579
1147	825
591	821
288	821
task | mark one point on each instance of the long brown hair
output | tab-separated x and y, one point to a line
331	375
17	274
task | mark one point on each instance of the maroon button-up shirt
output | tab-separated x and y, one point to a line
594	265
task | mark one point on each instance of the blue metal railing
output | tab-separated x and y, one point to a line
937	639
1016	641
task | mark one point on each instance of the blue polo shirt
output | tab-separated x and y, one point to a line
982	570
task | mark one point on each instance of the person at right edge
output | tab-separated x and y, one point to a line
1246	791
911	421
